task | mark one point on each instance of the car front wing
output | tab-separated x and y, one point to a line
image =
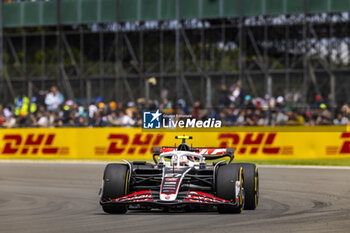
148	197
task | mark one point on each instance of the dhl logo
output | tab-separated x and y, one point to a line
31	144
343	149
140	144
251	143
130	144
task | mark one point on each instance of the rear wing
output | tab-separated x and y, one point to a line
209	153
200	150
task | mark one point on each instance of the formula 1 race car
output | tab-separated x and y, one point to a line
181	179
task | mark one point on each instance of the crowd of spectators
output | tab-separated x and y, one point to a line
239	108
235	108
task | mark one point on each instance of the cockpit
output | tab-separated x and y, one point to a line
181	159
186	156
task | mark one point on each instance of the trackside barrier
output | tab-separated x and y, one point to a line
135	144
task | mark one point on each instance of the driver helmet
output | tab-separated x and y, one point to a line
183	161
174	160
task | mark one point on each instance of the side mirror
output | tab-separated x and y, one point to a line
157	150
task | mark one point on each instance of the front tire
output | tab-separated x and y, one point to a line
251	185
226	178
115	185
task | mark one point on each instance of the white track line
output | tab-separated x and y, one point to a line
94	162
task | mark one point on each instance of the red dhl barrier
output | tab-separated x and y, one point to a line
133	144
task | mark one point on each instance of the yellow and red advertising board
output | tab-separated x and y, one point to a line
136	144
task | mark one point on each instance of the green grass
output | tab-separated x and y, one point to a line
319	162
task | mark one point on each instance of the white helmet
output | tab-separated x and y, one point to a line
183	161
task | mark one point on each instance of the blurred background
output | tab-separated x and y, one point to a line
246	62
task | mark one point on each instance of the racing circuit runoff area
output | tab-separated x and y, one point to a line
63	197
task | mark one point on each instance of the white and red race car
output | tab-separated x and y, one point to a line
181	179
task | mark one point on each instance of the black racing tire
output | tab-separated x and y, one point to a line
226	178
251	185
115	184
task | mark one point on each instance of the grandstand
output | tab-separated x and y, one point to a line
113	48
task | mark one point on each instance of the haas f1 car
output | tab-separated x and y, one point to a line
181	179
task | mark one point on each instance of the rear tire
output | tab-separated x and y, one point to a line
115	185
226	178
251	185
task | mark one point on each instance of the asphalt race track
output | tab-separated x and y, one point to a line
64	198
